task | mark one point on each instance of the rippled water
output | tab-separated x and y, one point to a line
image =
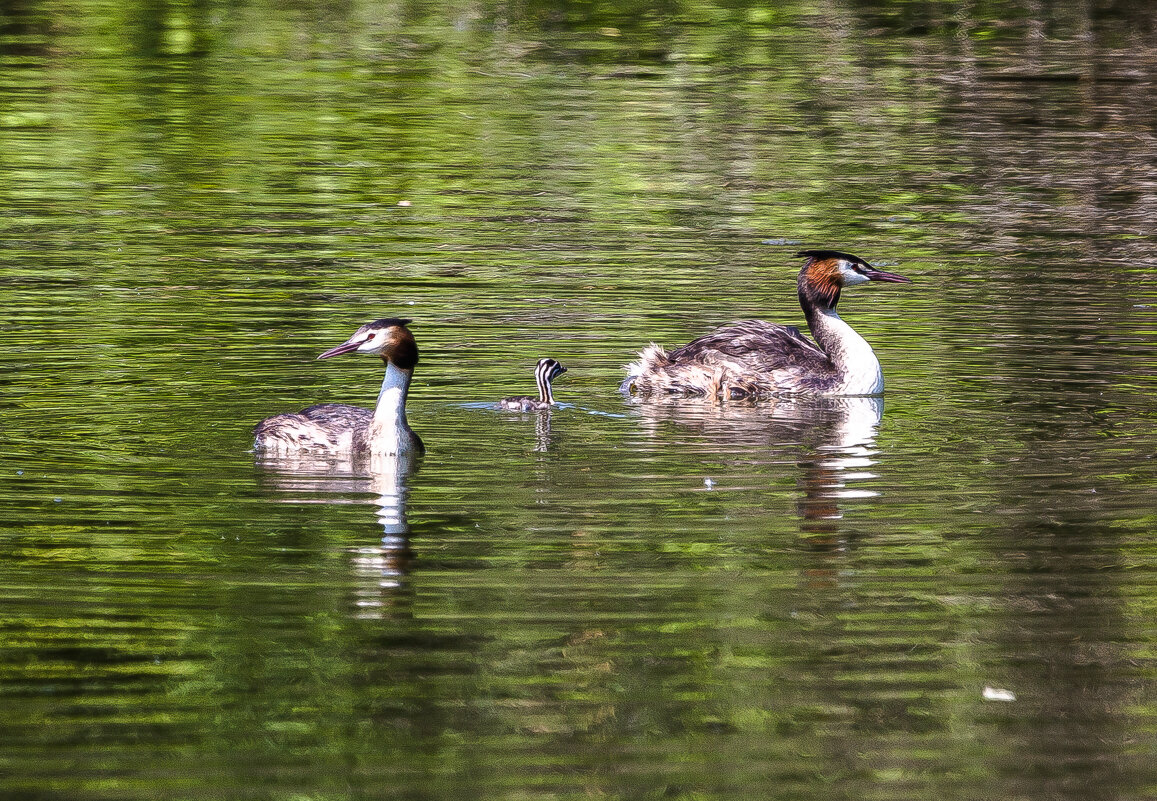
949	591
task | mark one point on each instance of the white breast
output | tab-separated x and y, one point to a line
860	369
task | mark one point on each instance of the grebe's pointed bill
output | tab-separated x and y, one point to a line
346	347
872	274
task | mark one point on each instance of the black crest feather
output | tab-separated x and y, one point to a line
824	255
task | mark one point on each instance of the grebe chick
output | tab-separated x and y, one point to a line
751	358
545	371
339	430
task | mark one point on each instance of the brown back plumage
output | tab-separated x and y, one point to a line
746	358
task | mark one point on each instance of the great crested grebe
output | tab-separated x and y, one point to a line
545	371
752	357
341	430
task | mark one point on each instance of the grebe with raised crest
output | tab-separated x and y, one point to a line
753	358
544	373
340	430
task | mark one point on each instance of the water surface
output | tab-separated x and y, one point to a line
798	599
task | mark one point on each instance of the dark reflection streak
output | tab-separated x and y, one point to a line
819	507
380	569
1049	146
24	29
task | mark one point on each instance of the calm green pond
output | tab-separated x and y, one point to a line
949	592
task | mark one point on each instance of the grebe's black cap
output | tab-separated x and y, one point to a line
824	255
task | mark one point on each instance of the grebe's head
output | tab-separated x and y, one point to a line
826	272
548	370
387	337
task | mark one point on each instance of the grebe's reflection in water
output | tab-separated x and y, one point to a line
542	431
831	441
543	438
379	480
847	455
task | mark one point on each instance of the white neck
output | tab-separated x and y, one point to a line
855	361
390	434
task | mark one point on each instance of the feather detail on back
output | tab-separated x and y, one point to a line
747	358
324	428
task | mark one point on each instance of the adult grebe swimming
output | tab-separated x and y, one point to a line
753	357
544	372
341	430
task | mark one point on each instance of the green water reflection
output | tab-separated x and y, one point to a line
798	600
